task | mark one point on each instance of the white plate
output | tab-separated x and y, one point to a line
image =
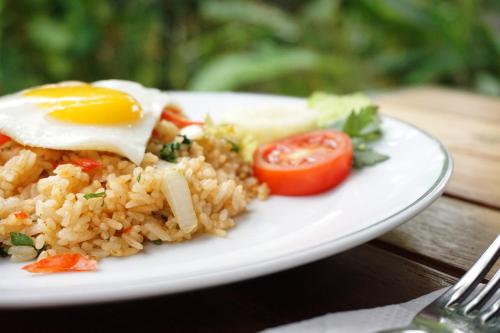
279	233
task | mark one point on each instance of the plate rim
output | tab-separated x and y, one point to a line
228	275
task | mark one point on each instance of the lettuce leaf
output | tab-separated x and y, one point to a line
333	108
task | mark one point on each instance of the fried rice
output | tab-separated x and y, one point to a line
44	196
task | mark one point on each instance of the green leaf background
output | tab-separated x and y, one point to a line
287	47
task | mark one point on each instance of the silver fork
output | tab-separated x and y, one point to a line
456	311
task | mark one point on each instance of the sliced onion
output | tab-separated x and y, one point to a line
192	132
176	190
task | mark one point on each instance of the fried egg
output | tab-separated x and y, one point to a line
111	115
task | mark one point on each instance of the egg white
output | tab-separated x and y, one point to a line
29	124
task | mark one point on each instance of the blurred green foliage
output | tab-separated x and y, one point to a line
289	47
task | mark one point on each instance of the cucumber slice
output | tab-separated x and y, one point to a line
268	123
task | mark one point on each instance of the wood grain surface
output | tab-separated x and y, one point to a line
429	252
468	125
453	232
450	234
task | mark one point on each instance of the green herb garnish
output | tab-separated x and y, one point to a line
234	146
95	195
355	115
363	126
157	242
368	157
169	151
139	177
20	239
186	140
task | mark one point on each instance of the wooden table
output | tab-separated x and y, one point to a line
428	252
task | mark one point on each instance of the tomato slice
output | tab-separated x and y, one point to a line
4	139
67	262
174	115
304	164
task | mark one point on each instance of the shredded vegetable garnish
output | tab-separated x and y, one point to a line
186	140
174	115
87	164
21	215
4	139
95	195
234	146
66	262
169	150
244	142
19	239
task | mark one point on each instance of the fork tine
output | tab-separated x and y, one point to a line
476	273
490	311
484	295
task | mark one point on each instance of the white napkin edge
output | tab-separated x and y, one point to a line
362	321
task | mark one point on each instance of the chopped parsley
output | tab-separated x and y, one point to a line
157	242
186	140
139	177
95	195
169	151
20	239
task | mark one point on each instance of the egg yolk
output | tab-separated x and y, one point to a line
86	104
